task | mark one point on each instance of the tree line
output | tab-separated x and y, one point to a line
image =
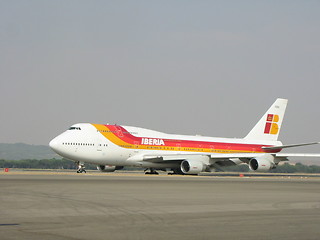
42	164
67	164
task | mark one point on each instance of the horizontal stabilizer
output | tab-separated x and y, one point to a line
317	155
289	146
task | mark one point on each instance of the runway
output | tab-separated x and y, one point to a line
136	206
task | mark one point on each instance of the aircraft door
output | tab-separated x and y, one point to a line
136	146
178	145
99	146
211	148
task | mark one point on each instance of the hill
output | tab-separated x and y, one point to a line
18	151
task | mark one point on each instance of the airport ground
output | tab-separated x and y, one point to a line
65	205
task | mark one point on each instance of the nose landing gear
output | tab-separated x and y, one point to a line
81	167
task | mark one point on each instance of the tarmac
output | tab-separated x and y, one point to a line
65	205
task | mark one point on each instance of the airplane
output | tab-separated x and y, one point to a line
112	147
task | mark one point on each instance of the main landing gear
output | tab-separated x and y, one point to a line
81	167
176	171
152	171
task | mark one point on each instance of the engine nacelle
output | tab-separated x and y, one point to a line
192	167
108	168
262	164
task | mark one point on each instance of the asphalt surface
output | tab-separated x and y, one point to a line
136	206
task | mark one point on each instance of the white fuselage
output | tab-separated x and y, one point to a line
122	145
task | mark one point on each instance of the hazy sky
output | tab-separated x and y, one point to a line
189	67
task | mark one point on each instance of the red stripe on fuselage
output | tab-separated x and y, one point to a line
127	137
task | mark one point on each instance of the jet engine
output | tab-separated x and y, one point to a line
108	168
192	167
262	164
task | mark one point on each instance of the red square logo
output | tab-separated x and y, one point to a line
270	117
267	128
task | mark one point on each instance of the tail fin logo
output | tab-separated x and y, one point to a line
271	124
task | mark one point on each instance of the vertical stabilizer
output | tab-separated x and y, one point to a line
268	127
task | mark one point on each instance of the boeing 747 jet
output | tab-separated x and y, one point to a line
111	147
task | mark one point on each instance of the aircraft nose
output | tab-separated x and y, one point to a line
53	144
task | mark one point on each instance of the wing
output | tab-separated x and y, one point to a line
223	159
211	160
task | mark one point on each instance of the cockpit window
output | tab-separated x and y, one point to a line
74	128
